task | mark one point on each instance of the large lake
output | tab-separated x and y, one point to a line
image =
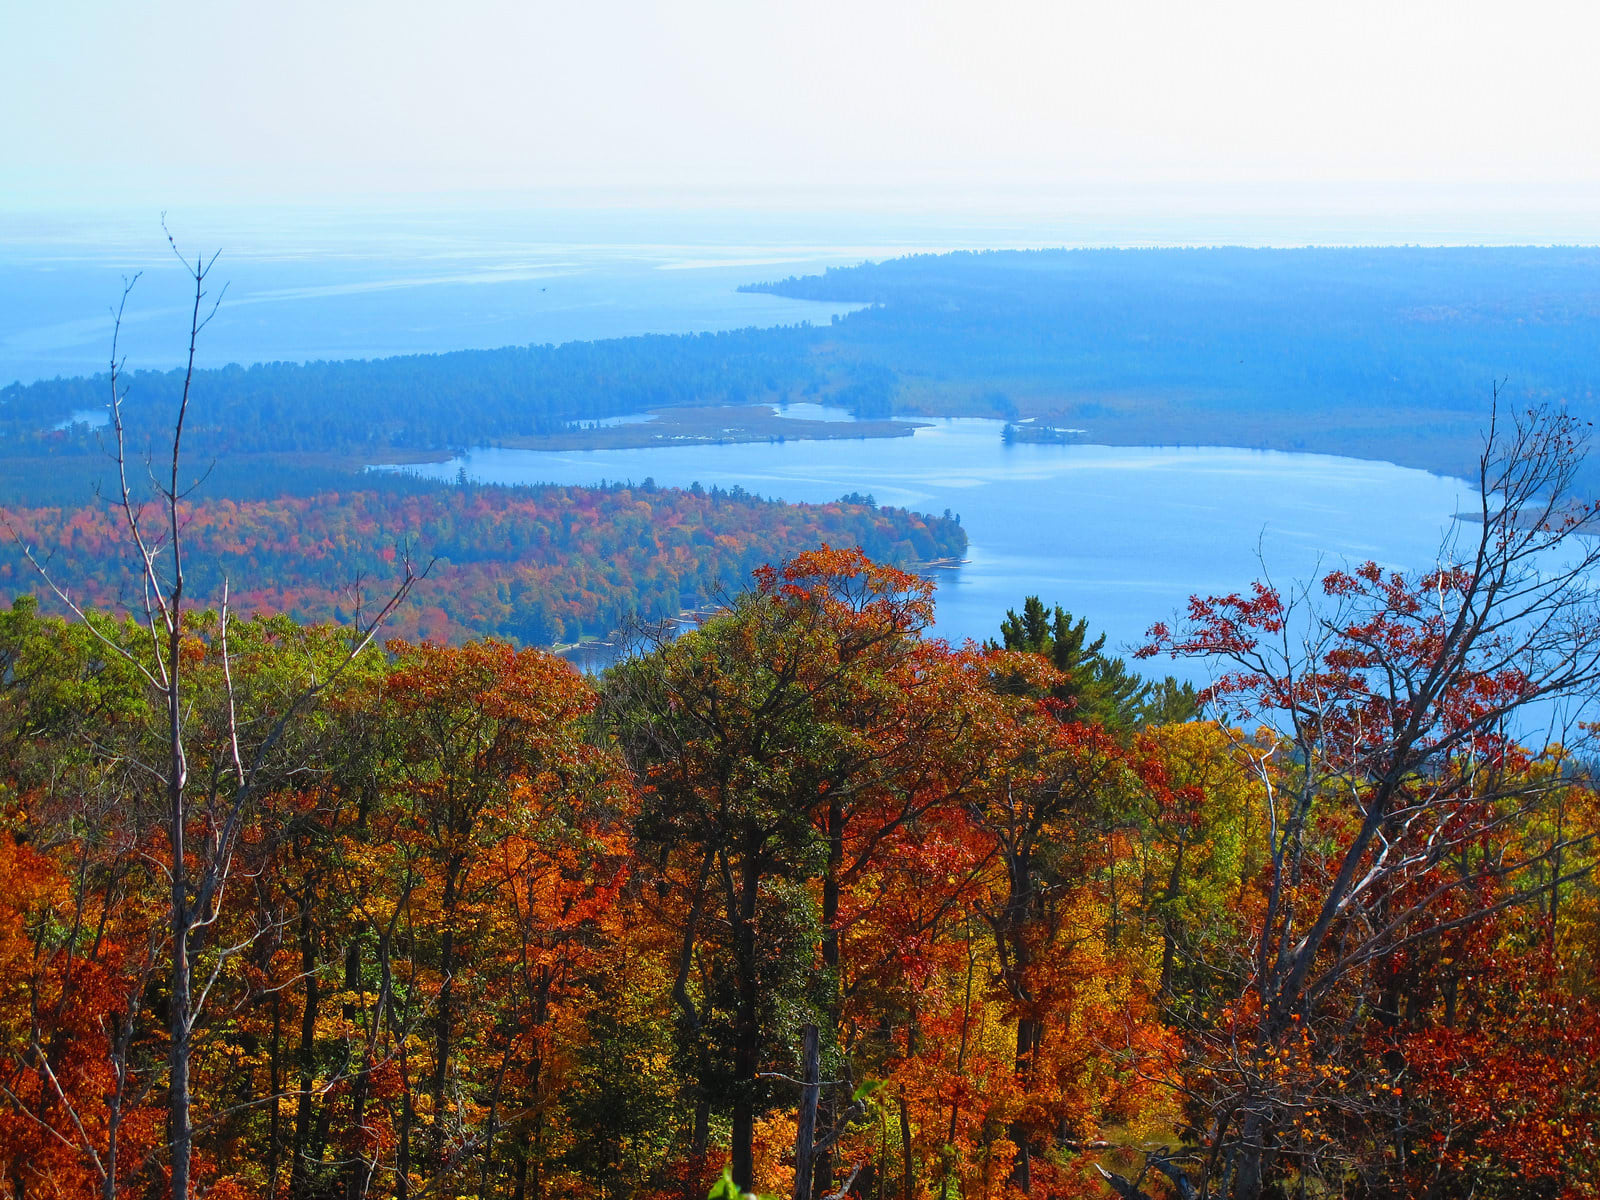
296	303
376	280
1121	535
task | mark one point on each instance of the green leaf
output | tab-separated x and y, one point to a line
725	1188
868	1088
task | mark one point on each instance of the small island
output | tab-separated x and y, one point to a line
1030	430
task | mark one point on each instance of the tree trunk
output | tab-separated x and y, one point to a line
907	1167
700	1140
180	1130
298	1184
1029	1034
520	1190
274	1083
1247	1170
402	1185
360	1170
441	1051
805	1135
744	1113
1169	941
822	1168
747	1044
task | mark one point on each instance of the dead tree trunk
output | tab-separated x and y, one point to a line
199	867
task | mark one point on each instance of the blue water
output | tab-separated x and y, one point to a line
383	278
1122	535
414	283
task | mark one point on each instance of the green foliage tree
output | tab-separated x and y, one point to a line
1098	687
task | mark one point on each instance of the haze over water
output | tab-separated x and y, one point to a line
367	281
343	287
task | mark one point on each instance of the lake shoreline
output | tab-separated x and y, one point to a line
711	425
766	421
705	425
1122	535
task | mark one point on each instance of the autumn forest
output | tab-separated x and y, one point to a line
807	902
859	600
535	565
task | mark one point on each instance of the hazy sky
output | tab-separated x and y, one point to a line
811	100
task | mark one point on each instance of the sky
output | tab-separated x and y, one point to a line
863	102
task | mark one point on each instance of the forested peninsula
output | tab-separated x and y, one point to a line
1387	353
538	566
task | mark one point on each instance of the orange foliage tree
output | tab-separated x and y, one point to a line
1395	796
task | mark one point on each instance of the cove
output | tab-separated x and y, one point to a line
1121	535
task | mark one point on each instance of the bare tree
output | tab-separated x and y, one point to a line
1394	774
203	818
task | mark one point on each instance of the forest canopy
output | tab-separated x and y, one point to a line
533	565
496	929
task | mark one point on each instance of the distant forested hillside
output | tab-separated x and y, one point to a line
1386	353
535	565
1409	324
424	401
1382	353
